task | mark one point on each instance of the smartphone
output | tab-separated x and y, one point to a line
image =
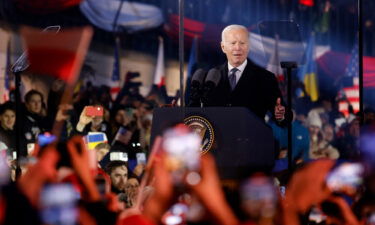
30	148
347	178
259	197
59	204
182	147
45	139
118	156
371	219
316	216
177	214
94	111
141	158
101	185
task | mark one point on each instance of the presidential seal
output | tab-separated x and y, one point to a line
204	129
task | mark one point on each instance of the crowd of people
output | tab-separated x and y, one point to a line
331	184
91	161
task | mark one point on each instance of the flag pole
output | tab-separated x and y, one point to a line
289	66
360	59
181	50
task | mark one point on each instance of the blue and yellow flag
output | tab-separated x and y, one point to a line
307	73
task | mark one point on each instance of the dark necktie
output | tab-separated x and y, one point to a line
232	77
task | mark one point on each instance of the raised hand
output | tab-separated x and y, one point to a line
61	113
279	110
79	159
83	120
38	174
210	193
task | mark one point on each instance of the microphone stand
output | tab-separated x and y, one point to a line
289	66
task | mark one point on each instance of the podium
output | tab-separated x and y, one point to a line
242	143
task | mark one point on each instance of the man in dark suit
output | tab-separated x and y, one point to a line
243	83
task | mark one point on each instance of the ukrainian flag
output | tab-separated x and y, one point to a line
307	73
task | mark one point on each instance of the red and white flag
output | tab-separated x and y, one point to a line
159	76
60	55
274	62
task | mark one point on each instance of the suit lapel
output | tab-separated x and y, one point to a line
224	77
245	77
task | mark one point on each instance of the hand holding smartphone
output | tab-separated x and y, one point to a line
182	147
345	178
141	158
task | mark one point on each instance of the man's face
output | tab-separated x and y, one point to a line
34	104
236	46
119	176
8	119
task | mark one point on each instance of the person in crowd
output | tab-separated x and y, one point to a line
143	117
369	116
348	143
328	132
35	121
243	83
300	147
319	148
118	172
7	121
101	149
24	202
310	187
131	192
122	116
327	110
89	123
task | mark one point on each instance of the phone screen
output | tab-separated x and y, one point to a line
120	156
182	148
101	185
345	177
58	204
94	111
141	158
45	139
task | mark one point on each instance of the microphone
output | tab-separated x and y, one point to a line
196	87
22	63
212	79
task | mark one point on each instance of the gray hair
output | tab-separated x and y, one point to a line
232	27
